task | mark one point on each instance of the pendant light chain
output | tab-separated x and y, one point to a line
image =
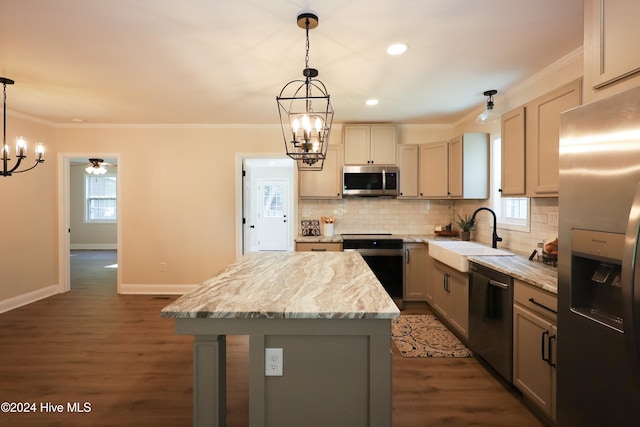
306	56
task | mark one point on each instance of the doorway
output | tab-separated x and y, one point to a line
100	230
267	204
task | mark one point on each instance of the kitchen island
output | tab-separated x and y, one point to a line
326	311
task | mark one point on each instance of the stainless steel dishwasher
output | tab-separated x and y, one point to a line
491	317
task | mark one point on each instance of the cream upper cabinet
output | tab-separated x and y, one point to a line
434	170
513	153
543	137
455	169
616	35
367	144
469	166
408	165
324	184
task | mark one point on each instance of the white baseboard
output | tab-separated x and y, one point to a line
94	246
28	298
133	289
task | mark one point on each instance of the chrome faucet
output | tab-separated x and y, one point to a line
496	238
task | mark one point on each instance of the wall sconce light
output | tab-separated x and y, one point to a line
21	143
306	113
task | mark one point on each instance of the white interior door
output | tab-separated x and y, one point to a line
273	214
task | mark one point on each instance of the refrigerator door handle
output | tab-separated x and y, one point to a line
631	284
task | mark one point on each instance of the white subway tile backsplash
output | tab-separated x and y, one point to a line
398	216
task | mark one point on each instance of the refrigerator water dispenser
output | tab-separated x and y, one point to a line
596	267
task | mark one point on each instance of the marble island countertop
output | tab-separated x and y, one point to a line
303	285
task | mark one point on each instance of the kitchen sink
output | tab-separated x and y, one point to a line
454	253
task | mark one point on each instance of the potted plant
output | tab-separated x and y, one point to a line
465	225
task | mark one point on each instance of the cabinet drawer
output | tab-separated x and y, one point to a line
536	299
318	247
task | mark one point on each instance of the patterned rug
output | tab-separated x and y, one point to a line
424	336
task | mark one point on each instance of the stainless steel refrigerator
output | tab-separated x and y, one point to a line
598	365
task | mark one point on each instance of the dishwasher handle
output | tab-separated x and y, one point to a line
498	284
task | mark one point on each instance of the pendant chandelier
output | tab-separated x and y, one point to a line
305	112
21	143
489	115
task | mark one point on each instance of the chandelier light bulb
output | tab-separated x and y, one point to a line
306	124
21	147
40	151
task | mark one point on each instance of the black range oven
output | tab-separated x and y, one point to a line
384	255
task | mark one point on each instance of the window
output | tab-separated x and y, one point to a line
100	192
512	212
272	201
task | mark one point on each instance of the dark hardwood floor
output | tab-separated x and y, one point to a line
117	354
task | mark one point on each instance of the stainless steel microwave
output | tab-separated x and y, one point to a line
370	180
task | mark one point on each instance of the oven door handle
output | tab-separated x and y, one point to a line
378	252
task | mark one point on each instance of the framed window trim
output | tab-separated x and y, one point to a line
93	198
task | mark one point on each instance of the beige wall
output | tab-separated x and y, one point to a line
29	249
177	201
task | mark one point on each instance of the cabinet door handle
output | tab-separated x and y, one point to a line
532	301
407	253
318	249
446	282
542	345
551	339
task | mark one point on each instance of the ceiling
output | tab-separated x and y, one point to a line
224	61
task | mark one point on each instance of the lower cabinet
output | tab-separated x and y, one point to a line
451	296
415	271
534	346
318	246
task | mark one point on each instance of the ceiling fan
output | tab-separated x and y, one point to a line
98	166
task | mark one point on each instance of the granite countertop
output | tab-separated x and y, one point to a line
407	238
304	285
519	267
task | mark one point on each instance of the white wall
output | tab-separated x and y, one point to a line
86	235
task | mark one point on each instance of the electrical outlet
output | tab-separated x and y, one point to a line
273	362
552	218
163	266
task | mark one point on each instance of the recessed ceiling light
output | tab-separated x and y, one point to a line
372	102
397	49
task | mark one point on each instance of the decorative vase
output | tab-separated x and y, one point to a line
465	235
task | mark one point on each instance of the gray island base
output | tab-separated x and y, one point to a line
326	311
